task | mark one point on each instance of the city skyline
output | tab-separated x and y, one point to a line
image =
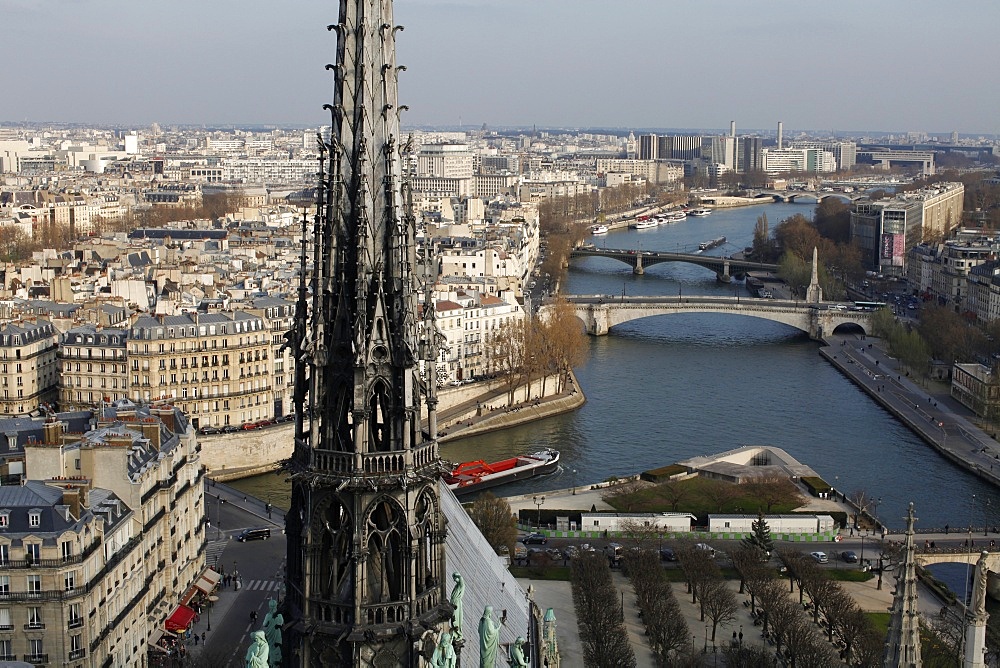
475	62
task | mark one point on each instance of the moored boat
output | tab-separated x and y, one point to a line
699	212
470	477
644	224
674	216
599	229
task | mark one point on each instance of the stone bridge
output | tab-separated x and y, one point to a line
724	267
599	313
792	195
938	556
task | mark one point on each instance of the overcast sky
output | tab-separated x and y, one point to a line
848	65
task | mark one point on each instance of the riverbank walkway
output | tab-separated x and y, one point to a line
925	406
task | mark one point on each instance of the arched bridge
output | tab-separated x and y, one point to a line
600	313
723	267
792	195
944	556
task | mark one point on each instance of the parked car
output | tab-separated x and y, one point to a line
209	429
819	557
667	554
534	539
571	552
250	426
520	552
230	428
850	556
706	548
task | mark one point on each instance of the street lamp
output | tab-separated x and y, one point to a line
877	501
574	482
209	628
538	501
862	560
704	650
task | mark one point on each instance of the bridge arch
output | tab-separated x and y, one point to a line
600	313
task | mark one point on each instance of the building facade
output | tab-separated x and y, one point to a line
103	535
28	365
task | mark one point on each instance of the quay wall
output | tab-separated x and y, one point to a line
921	428
243	454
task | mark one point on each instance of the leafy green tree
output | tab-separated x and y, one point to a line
760	536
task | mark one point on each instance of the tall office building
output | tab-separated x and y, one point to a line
886	230
366	529
649	147
750	154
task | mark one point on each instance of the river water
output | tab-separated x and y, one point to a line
667	388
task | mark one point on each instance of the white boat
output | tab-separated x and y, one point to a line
599	229
674	216
699	212
644	224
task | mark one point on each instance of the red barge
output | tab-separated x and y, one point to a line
470	477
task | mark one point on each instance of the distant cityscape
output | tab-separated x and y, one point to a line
149	277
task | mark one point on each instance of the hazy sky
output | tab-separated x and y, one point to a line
844	65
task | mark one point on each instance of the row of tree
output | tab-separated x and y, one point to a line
17	246
666	628
523	351
599	615
782	617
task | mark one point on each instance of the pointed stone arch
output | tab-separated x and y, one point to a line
384	547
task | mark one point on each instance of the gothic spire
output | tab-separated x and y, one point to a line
902	648
366	531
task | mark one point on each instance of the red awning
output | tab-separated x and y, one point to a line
180	618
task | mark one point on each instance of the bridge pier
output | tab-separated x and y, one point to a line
637	269
725	276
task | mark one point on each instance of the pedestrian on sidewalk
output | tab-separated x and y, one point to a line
202	637
195	639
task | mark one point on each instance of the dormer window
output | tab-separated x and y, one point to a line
34	518
4	519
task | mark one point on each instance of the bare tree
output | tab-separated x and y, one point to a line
495	520
719	603
605	641
506	350
748	656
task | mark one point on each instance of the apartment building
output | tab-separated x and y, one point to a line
92	367
216	367
28	365
102	539
465	320
943	270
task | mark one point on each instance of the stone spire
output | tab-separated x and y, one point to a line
365	573
902	647
814	293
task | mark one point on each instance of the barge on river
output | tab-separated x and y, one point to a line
470	477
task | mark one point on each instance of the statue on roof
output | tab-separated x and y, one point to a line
257	652
517	658
489	639
456	600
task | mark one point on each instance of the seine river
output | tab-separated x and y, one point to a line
667	388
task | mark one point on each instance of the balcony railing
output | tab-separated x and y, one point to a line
34	626
36	659
77	654
75	623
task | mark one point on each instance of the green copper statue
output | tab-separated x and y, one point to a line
444	654
456	600
489	639
257	652
273	622
517	659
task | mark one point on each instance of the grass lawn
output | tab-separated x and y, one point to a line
880	620
701	496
